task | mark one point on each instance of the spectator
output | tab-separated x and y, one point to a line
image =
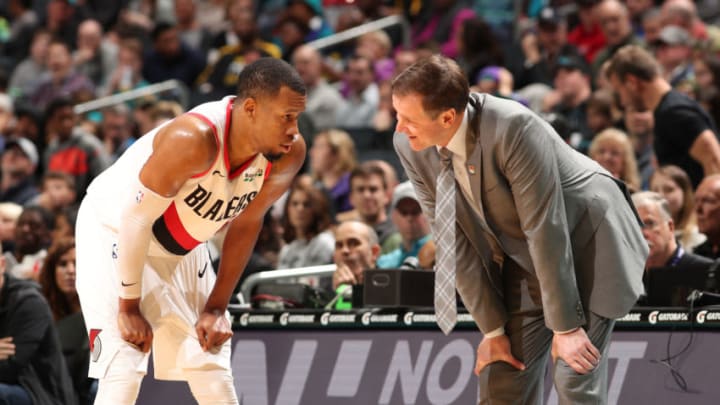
673	50
310	14
32	367
685	135
233	50
439	23
306	222
376	46
23	22
19	161
356	250
127	74
707	71
587	36
191	32
614	151
332	158
289	33
58	192
652	23
404	58
71	150
658	230
65	223
477	48
674	185
9	214
93	57
614	19
322	98
170	58
363	97
600	111
58	286
61	80
116	130
32	238
684	14
63	18
368	194
412	225
637	9
542	48
707	208
25	75
640	126
572	91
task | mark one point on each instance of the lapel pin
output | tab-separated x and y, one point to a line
471	169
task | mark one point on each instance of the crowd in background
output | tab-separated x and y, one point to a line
550	55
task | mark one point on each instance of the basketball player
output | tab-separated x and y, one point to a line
143	272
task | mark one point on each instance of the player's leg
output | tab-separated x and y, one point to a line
177	351
117	365
212	386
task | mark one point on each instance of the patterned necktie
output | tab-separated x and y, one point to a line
445	309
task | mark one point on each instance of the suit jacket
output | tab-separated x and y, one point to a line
546	208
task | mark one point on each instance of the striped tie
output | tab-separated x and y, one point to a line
444	230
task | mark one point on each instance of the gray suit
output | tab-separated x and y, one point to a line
558	243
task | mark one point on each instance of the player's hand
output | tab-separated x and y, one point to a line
7	348
576	350
213	329
343	275
133	326
495	349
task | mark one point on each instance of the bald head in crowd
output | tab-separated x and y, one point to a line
614	19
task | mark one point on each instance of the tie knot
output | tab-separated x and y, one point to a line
445	155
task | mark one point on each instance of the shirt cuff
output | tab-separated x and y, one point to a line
564	332
495	333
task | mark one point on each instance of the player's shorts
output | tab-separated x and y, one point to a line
174	292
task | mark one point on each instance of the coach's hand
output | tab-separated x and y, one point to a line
576	349
133	326
213	329
495	349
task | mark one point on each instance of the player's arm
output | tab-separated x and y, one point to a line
245	228
706	151
181	149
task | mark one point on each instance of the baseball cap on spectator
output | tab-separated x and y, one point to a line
402	191
549	18
26	146
673	35
571	62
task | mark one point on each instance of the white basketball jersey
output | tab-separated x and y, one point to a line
204	203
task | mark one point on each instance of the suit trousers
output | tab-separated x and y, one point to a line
530	342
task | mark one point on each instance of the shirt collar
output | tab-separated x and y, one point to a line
457	142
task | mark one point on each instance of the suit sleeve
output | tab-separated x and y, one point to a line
481	299
530	165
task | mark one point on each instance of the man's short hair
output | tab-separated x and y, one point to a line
372	236
366	170
438	80
633	60
68	179
266	76
651	198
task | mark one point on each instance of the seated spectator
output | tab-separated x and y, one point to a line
369	196
289	32
23	78
674	185
673	50
58	192
127	73
170	58
572	92
64	223
32	366
116	130
322	98
71	150
311	14
61	80
411	224
707	208
587	35
306	222
332	157
614	19
613	150
356	250
363	96
93	57
58	286
32	238
376	46
191	32
9	214
19	161
477	47
599	111
658	230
